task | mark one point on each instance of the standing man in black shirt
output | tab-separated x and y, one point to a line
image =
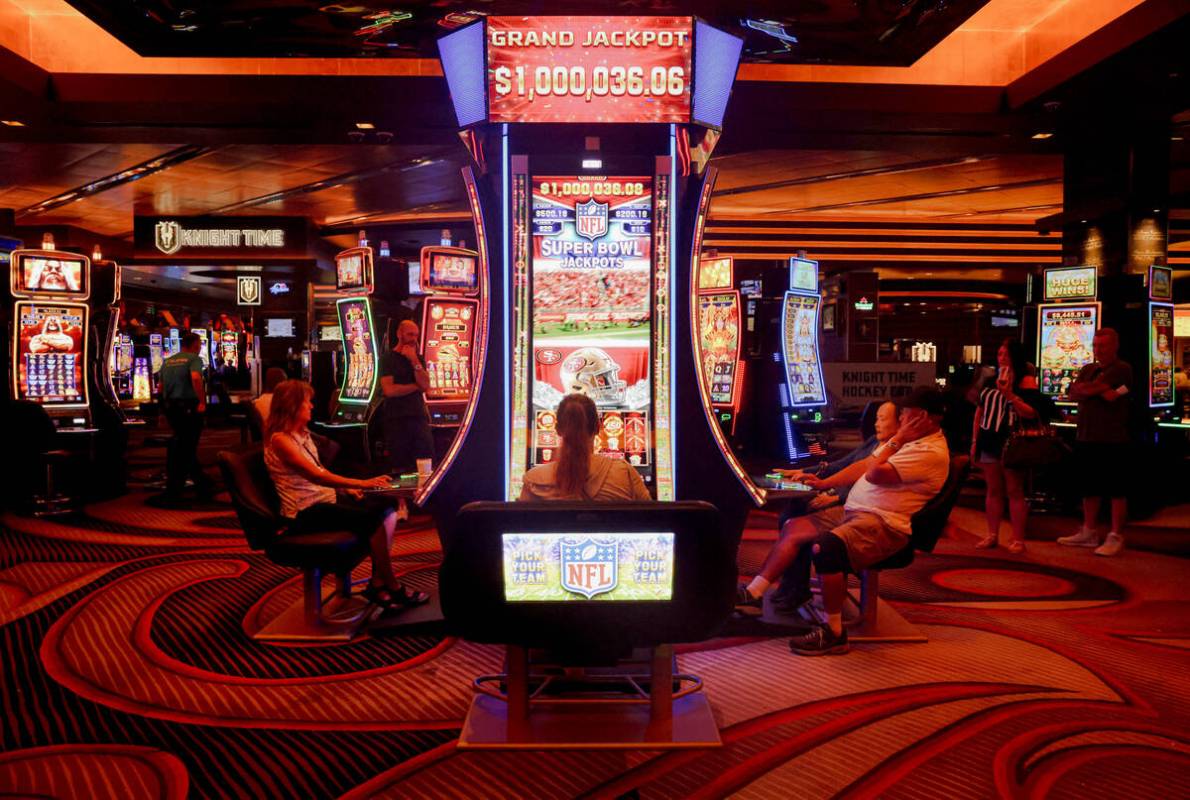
404	382
1103	446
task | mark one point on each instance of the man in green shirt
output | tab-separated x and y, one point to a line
184	399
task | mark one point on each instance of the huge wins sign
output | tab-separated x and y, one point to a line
589	69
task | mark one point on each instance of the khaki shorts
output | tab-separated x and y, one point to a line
868	540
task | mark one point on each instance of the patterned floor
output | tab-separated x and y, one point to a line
129	671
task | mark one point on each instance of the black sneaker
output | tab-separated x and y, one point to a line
820	641
745	602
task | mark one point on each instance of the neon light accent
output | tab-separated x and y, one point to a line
350	357
1161	388
479	344
716	58
757	493
663	329
672	292
519	441
462	56
806	388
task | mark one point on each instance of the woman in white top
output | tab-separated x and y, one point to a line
578	473
308	496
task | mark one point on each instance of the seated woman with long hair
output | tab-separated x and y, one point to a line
308	492
578	473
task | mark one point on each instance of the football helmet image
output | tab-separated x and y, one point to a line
591	371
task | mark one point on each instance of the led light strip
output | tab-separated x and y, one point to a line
663	329
479	342
757	493
519	440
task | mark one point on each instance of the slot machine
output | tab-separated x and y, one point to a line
589	208
142	380
229	348
172	343
204	352
156	352
718	337
50	334
805	391
359	396
449	314
1066	323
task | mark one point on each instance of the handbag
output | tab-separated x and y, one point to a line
1032	447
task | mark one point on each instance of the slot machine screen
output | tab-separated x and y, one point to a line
592	310
415	279
360	349
229	344
453	271
570	567
172	343
1064	343
448	330
141	384
124	354
719	337
204	352
156	348
353	269
799	340
51	273
50	351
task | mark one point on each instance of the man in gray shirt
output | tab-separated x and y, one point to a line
1103	448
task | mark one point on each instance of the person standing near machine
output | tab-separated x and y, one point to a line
1103	445
183	397
404	382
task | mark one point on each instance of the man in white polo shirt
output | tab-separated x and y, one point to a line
890	486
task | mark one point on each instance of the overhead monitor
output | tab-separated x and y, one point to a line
1070	283
280	328
803	275
1160	283
715	273
588	566
330	333
449	269
353	270
37	273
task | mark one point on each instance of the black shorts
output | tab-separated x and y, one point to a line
1103	469
361	517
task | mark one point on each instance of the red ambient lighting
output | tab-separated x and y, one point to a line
589	69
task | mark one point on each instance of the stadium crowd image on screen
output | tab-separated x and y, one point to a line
592	311
560	567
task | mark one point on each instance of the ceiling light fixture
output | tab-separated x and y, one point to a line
12	123
1042	135
365	126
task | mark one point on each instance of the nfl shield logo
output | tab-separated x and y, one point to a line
168	236
591	219
589	567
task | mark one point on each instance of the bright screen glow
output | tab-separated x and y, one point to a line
589	69
719	338
1161	388
353	269
448	328
453	271
359	379
799	335
803	275
714	273
560	567
1064	344
57	275
49	353
282	328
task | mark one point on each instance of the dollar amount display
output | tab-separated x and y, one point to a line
561	81
588	188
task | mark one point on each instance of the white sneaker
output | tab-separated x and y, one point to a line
1083	538
1111	546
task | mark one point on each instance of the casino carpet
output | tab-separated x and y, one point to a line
129	671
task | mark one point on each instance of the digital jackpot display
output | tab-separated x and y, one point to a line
1161	384
50	272
1064	343
591	319
568	567
448	330
719	336
799	340
49	351
360	350
589	69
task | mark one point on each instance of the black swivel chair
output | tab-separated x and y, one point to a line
32	439
257	506
928	525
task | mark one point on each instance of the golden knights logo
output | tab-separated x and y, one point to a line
589	567
591	219
168	237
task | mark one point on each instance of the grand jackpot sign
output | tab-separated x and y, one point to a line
589	69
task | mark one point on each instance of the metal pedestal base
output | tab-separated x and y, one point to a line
333	619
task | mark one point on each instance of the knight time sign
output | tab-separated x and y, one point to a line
219	237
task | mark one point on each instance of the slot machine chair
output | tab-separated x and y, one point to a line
927	527
258	509
582	641
32	440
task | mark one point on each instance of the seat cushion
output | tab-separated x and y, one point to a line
326	549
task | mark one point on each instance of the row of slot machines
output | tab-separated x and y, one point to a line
134	363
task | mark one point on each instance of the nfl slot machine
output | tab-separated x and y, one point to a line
449	315
589	187
717	338
50	333
805	391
